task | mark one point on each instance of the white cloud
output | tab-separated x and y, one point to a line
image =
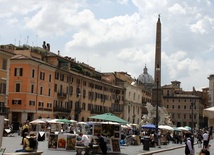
121	42
177	9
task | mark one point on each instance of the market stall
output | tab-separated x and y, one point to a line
39	128
62	141
111	132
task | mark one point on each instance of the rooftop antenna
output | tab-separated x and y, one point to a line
27	40
36	39
20	40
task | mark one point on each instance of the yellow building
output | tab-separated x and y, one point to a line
5	55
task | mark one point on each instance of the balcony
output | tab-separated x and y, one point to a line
59	109
44	109
62	95
93	111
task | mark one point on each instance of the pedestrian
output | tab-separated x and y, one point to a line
205	139
102	143
189	145
199	139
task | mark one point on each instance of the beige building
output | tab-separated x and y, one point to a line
211	91
133	104
182	105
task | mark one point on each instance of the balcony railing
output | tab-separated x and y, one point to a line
59	109
93	111
61	95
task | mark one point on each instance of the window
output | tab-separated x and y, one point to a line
4	64
49	105
41	104
41	90
33	73
42	75
31	103
55	87
56	75
17	101
62	77
18	87
179	116
185	107
184	116
3	87
18	72
49	77
84	83
179	107
84	106
32	88
70	90
49	92
173	106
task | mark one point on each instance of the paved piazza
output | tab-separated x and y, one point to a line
13	143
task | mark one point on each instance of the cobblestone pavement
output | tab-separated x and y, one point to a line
13	143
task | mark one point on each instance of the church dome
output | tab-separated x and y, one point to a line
145	78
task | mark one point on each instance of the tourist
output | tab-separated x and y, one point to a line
84	139
102	143
205	139
26	144
189	148
25	129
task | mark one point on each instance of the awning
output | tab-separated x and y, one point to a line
209	112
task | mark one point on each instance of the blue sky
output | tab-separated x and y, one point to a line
119	35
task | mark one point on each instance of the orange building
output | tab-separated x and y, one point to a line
31	88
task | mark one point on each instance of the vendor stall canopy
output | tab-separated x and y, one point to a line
109	117
209	112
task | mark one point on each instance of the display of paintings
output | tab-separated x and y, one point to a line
115	145
116	128
52	141
62	141
97	129
53	127
117	135
71	141
108	130
109	145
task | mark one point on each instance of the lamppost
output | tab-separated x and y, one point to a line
192	105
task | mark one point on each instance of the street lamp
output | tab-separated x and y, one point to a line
192	105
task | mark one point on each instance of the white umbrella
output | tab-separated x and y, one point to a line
5	119
82	123
37	121
54	121
165	127
183	128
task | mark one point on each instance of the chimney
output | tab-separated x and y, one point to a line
58	52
